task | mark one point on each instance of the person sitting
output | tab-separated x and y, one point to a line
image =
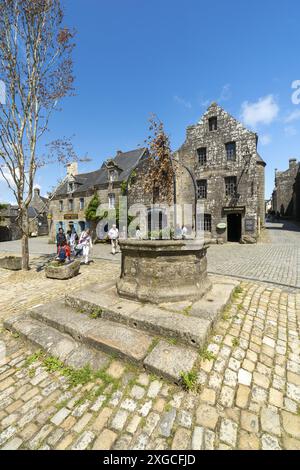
61	239
64	253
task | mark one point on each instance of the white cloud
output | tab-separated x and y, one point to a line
290	131
225	93
293	116
5	176
265	139
182	101
263	111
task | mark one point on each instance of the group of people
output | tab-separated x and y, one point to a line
71	245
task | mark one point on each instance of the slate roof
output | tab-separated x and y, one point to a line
125	161
259	159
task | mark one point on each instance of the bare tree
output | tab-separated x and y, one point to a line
161	167
37	69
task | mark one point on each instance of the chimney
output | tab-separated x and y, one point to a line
36	192
292	163
119	152
72	169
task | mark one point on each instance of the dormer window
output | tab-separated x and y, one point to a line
70	187
213	123
112	176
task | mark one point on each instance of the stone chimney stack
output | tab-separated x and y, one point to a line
72	169
36	192
292	163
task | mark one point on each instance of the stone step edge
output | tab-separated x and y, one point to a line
85	336
67	359
188	356
187	338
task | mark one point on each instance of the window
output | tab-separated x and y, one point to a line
213	123
202	189
231	151
202	155
71	204
61	206
70	187
230	186
111	201
81	203
205	223
156	194
112	176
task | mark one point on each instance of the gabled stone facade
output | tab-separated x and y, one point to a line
220	167
229	175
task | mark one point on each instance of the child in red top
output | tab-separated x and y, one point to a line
64	252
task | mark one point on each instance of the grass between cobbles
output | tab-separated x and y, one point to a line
75	377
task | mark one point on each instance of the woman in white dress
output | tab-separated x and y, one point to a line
85	242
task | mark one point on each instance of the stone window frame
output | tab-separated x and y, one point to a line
230	148
230	186
202	189
61	205
112	176
70	204
81	203
213	123
202	155
112	197
71	186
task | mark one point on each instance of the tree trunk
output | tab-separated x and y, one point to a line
25	244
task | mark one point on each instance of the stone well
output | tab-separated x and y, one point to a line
160	271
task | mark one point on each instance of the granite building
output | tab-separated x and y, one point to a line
37	215
68	205
219	166
229	175
284	196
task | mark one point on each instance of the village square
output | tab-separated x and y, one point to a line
149	296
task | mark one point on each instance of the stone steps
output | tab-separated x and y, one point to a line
178	325
78	340
99	333
55	343
95	323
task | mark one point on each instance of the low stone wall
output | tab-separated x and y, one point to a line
163	270
64	271
13	263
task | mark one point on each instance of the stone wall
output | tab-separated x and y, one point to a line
59	216
284	187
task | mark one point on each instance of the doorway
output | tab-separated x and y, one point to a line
234	227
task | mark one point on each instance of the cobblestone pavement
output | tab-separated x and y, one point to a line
248	379
20	291
276	259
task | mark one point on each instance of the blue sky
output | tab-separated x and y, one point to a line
172	58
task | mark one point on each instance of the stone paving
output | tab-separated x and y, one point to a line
248	383
275	259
